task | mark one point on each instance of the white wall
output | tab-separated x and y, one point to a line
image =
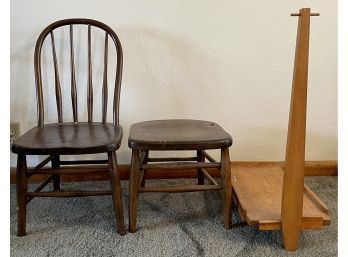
225	61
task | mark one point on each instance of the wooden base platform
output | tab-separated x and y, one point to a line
258	194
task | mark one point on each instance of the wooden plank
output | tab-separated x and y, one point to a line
292	190
258	190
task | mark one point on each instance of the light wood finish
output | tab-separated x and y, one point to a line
259	193
292	195
273	197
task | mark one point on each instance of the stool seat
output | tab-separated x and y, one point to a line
178	134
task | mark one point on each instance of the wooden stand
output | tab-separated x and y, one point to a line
270	197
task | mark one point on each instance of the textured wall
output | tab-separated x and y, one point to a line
226	61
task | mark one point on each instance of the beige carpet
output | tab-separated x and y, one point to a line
184	224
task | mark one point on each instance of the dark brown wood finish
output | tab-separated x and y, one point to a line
179	135
72	138
89	85
200	175
105	79
57	81
21	194
56	178
73	78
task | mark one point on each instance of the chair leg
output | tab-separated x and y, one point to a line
200	175
115	184
145	161
133	190
56	178
21	194
226	187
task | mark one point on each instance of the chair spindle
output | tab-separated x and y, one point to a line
105	79
90	87
73	77
57	82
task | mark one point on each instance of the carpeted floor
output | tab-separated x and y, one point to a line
182	224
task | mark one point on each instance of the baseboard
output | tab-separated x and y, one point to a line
312	168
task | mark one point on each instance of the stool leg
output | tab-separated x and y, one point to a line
115	184
133	190
145	161
21	187
226	187
200	176
56	178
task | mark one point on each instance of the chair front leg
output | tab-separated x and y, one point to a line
115	184
56	178
226	187
21	187
133	190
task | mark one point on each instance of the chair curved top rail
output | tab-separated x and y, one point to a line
119	66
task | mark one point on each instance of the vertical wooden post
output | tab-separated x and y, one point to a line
133	190
144	174
56	178
293	182
21	194
200	176
226	187
115	183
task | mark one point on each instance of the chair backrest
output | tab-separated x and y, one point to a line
49	30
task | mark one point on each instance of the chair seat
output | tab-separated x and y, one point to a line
69	138
178	135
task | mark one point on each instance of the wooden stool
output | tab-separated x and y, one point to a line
179	135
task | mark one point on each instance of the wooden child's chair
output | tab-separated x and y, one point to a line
71	138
